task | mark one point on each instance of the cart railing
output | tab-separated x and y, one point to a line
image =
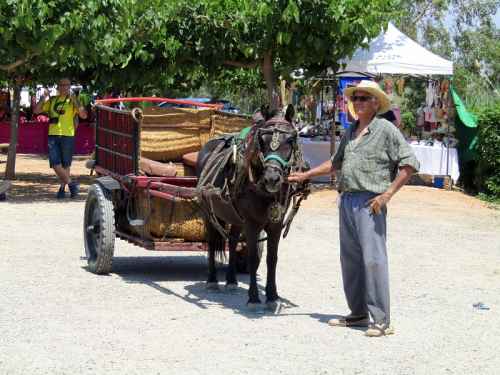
117	140
118	133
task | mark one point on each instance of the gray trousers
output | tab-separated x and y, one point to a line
363	257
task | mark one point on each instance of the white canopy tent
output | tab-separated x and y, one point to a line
393	52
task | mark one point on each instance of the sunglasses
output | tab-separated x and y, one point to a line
360	98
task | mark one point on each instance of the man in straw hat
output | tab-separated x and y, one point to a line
370	154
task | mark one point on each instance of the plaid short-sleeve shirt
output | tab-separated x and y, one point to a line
371	163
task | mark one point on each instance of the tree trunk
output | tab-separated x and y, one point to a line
267	71
10	169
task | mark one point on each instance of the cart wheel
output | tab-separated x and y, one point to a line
99	230
242	255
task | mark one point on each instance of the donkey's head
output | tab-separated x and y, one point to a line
273	151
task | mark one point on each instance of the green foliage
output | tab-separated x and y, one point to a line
312	35
181	46
494	202
43	40
464	31
489	150
411	100
243	87
408	122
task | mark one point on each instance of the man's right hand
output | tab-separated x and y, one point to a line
297	176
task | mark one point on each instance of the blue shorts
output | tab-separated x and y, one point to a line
61	150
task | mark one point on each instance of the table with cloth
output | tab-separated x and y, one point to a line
432	159
32	137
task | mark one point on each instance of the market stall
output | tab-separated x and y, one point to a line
393	53
433	160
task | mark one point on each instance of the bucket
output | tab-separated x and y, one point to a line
439	182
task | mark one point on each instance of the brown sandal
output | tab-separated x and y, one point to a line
377	330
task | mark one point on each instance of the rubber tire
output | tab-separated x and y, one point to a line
242	265
100	245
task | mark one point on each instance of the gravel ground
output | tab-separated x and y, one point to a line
152	314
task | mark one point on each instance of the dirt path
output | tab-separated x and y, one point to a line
152	315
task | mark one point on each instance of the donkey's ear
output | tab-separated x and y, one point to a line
289	113
264	109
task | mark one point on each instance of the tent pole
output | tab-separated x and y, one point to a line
333	130
447	147
448	141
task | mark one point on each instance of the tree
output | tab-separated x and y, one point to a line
464	31
275	36
41	41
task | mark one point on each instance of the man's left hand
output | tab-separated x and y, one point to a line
379	202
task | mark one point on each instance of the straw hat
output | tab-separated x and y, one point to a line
373	89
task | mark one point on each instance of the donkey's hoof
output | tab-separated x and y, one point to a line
231	287
212	286
274	306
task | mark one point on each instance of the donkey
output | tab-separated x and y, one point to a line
253	195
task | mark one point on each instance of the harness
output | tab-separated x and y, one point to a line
230	154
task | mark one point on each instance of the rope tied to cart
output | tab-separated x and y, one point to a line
137	114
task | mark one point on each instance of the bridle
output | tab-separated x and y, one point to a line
272	159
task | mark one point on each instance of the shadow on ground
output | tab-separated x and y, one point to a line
156	272
36	181
42	187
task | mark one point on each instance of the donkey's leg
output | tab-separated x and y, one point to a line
213	241
234	236
251	235
273	239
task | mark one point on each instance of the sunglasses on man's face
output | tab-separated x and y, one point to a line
360	98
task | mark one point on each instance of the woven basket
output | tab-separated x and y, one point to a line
169	219
167	134
223	123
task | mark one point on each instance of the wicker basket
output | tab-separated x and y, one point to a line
169	219
170	133
167	134
223	123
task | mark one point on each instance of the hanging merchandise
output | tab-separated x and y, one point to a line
429	114
430	94
400	85
440	113
388	87
445	86
429	99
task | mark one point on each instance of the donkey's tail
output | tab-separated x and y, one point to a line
216	242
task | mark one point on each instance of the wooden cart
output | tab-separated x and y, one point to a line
156	212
